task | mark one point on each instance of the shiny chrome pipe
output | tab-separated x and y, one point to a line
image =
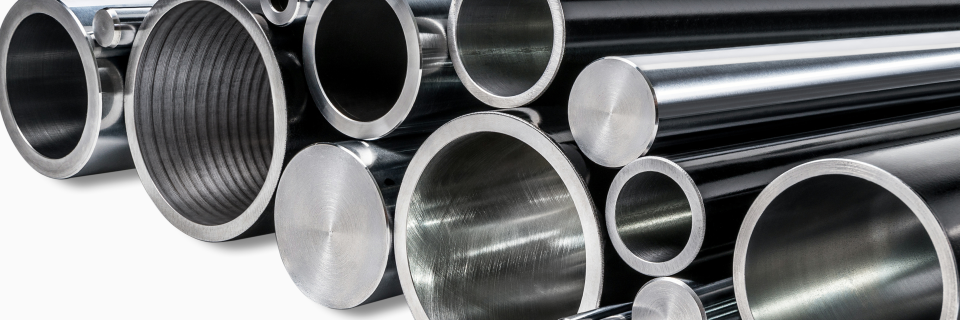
215	106
665	215
335	204
601	313
61	95
622	108
285	12
381	66
680	299
868	235
520	52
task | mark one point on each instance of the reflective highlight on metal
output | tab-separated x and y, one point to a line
862	236
621	316
215	106
116	27
520	52
665	214
625	107
679	299
601	313
285	12
61	96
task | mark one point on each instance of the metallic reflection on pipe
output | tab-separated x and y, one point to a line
286	12
601	313
680	299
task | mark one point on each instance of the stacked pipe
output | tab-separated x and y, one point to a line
548	159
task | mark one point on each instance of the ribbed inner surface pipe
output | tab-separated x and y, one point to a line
654	218
204	114
46	86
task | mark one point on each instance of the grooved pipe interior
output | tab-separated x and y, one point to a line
863	236
681	299
334	211
666	214
214	109
61	96
622	108
381	66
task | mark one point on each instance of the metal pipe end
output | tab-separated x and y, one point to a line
533	30
109	32
285	12
613	112
655	216
667	298
333	229
493	212
843	239
363	64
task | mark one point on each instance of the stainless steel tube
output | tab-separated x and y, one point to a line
665	214
61	96
285	12
380	66
215	106
495	209
680	299
334	217
869	235
622	108
514	53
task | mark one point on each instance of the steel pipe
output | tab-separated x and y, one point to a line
381	66
334	213
666	214
285	12
863	236
215	106
680	299
61	96
515	53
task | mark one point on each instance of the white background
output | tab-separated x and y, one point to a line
96	247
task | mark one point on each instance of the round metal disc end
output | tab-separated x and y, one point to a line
283	12
655	216
613	112
667	298
105	29
332	227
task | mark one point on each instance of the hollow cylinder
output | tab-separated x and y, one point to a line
61	95
681	299
381	66
216	105
666	214
334	214
286	12
515	53
863	236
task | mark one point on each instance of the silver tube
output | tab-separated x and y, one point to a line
285	12
116	27
601	313
680	299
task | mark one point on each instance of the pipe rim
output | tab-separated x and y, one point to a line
368	130
77	159
950	307
668	298
237	226
495	122
529	95
283	17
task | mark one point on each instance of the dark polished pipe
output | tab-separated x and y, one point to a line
870	235
512	53
665	214
681	299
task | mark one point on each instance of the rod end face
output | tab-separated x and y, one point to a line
106	28
667	298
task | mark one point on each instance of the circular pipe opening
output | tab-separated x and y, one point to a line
204	113
46	86
841	247
279	5
653	217
492	232
361	58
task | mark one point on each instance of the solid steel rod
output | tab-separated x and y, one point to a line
681	299
116	27
620	316
602	312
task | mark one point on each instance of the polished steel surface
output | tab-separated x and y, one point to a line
601	313
514	53
381	66
61	96
215	107
286	12
622	316
116	27
622	108
863	236
664	214
680	299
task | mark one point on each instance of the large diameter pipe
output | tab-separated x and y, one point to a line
381	66
61	95
215	106
681	299
622	108
495	221
665	215
864	236
334	214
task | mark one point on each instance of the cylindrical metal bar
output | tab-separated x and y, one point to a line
870	235
286	12
215	107
514	53
601	313
665	214
116	27
380	66
622	108
61	96
620	316
680	299
495	209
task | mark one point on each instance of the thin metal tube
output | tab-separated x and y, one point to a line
515	53
666	214
867	235
681	299
286	12
601	313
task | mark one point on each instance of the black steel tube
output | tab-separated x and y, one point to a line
682	299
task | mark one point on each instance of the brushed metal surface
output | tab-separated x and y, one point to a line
680	299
